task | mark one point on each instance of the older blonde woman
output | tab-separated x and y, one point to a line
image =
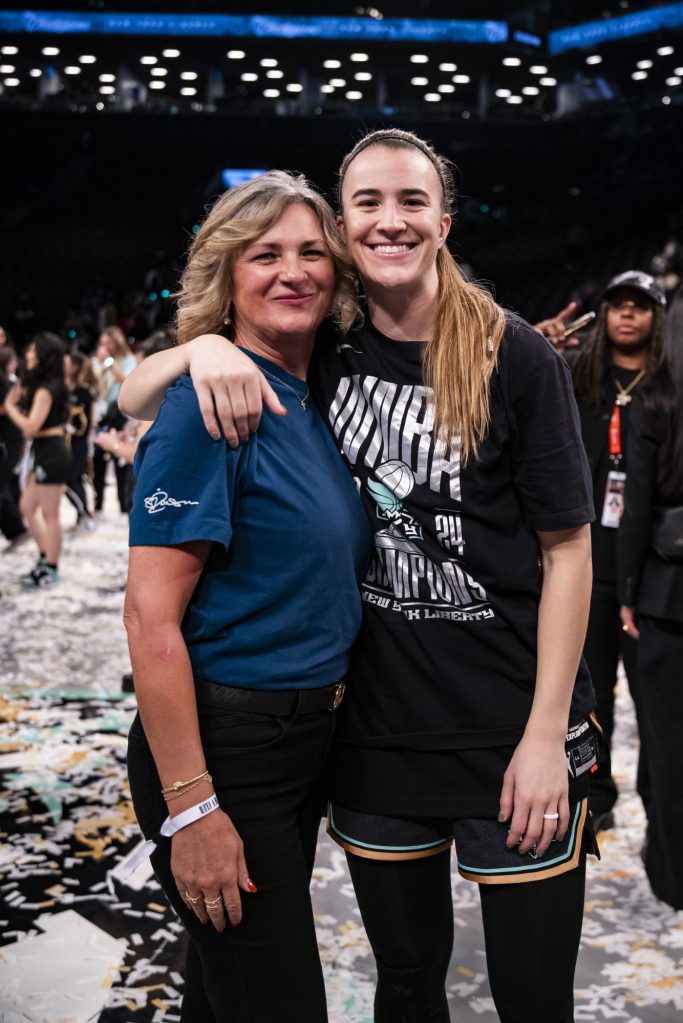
241	607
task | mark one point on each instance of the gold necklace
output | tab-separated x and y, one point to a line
624	395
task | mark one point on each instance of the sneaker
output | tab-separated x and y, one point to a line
41	577
86	524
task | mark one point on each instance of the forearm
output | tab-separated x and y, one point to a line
562	620
166	700
143	390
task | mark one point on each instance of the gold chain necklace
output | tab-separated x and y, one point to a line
624	395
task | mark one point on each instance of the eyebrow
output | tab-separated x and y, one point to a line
378	192
277	245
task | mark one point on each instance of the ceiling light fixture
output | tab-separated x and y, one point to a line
149	60
538	69
594	58
448	68
170	53
665	51
512	61
419	58
419	81
188	91
353	94
548	81
268	62
235	54
461	79
331	64
359	58
432	97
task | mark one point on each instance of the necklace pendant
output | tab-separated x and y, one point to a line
623	399
302	402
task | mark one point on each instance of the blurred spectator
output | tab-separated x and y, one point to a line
114	360
39	407
82	385
650	562
11	447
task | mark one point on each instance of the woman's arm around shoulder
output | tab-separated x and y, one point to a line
230	388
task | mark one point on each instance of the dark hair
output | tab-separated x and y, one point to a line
48	371
591	362
84	374
662	395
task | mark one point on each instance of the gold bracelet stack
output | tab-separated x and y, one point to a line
179	788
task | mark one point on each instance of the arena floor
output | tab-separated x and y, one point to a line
79	945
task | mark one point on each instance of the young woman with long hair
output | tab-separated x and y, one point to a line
39	407
82	384
466	697
114	361
650	584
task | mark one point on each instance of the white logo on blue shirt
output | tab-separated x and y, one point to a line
160	500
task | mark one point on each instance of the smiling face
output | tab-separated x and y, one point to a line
630	316
283	281
393	220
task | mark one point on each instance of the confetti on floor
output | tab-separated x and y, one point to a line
115	949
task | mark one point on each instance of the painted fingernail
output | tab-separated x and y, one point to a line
251	886
501	817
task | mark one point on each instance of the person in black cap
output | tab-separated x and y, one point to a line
622	348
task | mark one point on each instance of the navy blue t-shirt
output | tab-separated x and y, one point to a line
277	605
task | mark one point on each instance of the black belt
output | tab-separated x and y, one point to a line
270	701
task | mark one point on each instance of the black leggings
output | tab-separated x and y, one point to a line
532	936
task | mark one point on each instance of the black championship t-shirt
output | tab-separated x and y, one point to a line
446	657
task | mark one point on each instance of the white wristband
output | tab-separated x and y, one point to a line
169	828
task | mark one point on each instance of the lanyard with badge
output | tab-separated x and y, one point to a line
613	506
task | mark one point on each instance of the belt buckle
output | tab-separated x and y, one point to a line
337	695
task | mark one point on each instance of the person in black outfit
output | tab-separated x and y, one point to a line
650	588
11	446
39	409
82	384
607	371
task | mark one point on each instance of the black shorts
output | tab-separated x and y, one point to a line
50	460
482	854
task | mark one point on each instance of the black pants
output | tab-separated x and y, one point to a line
532	936
11	522
269	775
123	479
606	643
75	487
660	666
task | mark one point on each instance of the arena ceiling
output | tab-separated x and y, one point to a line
395	59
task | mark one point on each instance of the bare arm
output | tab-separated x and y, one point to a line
30	424
207	856
230	388
118	444
536	781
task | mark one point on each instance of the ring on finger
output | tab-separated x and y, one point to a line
189	898
212	903
551	816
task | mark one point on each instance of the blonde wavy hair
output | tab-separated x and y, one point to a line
237	218
121	347
461	354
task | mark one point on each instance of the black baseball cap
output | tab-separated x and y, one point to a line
638	281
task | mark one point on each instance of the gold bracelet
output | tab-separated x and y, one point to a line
178	786
188	788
